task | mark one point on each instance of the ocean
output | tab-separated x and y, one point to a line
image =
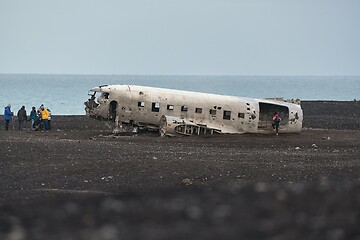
66	94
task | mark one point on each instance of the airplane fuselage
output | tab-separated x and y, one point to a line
197	112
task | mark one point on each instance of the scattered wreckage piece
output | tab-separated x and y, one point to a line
172	126
174	112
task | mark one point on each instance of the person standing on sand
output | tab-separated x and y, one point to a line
8	115
276	119
39	110
49	118
39	121
33	117
21	117
44	118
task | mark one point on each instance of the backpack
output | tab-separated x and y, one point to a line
277	120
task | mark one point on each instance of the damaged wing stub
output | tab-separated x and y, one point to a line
175	112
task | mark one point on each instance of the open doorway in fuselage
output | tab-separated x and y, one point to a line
112	110
266	113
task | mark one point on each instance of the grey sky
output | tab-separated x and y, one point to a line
187	37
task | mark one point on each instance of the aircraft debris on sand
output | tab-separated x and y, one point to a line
175	112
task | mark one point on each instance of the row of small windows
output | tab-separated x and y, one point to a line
155	107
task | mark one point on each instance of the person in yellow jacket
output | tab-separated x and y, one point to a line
44	117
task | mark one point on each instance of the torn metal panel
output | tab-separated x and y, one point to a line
172	126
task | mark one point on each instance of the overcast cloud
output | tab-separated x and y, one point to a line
180	37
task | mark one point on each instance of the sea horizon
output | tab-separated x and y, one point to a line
65	94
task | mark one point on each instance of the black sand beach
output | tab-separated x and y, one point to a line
79	182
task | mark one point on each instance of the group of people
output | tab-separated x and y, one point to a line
40	119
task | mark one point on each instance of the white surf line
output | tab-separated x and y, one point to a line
73	191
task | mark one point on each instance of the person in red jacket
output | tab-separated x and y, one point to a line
276	119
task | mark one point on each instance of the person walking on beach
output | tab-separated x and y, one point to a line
33	117
276	119
21	117
8	115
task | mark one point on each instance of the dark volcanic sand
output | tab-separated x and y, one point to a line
75	182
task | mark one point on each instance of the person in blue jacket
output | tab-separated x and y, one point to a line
8	115
33	117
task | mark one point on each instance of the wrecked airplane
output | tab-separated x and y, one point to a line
175	112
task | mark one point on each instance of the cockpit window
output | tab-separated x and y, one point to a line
105	95
93	99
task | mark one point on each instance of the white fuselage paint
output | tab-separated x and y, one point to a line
144	106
